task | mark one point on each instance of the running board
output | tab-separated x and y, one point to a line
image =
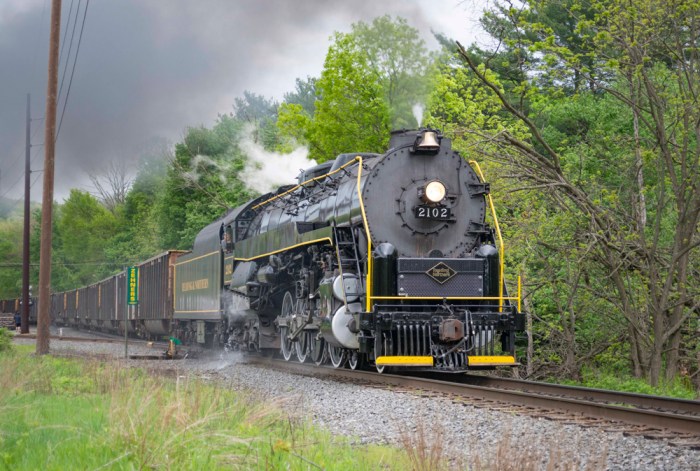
404	361
508	360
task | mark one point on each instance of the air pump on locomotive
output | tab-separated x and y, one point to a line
373	259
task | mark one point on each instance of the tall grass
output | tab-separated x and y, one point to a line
57	413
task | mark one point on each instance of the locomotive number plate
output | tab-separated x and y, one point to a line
433	212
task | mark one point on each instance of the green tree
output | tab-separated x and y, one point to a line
371	80
202	182
136	235
637	187
397	54
62	277
84	229
464	110
10	258
305	95
260	114
351	114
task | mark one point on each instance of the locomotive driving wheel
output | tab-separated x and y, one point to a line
303	346
286	346
383	343
337	355
319	353
356	360
305	340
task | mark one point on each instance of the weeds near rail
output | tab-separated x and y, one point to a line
425	448
429	447
58	413
520	455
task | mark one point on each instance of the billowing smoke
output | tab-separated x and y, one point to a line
174	68
266	170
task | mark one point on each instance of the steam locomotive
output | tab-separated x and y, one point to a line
383	261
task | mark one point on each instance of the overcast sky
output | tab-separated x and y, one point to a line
147	70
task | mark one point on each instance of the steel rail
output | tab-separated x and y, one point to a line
676	422
99	338
630	399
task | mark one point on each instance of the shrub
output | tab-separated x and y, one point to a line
5	340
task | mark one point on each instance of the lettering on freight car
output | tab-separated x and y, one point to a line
195	285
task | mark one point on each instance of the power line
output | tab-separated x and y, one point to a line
35	180
22	177
63	44
18	158
68	264
40	39
75	61
11	186
70	81
21	200
13	163
36	129
70	46
34	66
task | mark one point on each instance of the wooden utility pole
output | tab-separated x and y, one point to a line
25	248
43	318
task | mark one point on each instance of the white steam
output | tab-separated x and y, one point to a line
265	171
227	360
210	166
418	110
236	309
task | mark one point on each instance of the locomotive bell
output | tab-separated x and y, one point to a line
427	142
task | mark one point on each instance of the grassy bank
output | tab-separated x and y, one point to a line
58	413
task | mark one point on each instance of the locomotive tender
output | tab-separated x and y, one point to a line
380	259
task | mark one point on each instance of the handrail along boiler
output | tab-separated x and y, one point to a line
381	259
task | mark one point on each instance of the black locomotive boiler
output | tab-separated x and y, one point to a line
379	259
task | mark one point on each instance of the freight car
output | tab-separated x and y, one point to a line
10	306
102	306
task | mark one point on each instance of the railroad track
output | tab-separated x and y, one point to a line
676	420
102	337
655	417
70	338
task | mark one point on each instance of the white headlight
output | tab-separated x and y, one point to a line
435	192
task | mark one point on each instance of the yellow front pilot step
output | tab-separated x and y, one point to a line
404	361
486	360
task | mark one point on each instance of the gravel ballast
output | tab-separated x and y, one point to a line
369	415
